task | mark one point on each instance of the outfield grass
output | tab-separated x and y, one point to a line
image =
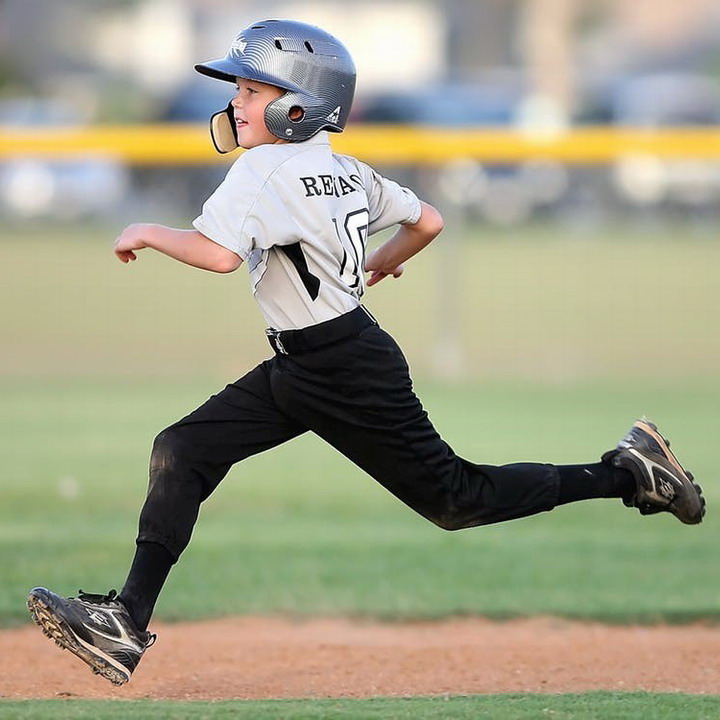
544	306
300	530
100	356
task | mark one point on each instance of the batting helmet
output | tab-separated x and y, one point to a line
313	67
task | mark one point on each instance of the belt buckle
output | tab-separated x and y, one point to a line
274	336
279	345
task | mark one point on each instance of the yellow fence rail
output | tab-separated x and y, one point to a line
190	144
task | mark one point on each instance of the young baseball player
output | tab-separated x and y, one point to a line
299	216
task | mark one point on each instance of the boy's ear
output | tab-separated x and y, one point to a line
223	131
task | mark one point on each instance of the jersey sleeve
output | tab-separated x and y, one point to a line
224	212
389	203
245	212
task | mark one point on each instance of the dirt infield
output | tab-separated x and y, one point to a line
258	658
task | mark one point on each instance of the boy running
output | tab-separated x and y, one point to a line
299	217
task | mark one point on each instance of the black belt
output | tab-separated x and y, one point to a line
294	342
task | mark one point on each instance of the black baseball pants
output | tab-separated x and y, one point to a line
356	394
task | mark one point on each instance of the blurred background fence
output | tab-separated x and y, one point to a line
524	109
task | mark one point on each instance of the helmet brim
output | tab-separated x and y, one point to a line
220	69
229	70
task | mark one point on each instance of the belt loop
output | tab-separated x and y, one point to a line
368	313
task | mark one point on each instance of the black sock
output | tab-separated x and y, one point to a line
150	568
597	480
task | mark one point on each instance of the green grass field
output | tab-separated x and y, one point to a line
561	340
589	706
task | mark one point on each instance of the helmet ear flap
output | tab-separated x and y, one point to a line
223	131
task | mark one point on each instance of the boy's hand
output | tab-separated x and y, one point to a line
378	275
406	242
188	246
129	240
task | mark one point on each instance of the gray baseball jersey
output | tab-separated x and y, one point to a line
299	216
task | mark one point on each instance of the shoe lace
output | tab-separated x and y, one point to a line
112	596
97	598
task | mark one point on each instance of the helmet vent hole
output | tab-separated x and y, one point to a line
296	113
278	45
309	47
257	27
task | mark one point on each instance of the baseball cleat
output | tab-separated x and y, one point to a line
96	628
661	483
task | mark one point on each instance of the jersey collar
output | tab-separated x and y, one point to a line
320	138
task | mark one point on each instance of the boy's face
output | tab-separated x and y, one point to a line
249	111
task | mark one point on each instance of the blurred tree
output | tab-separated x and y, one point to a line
546	32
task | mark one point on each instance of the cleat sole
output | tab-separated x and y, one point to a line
56	629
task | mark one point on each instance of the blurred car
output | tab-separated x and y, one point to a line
654	101
67	188
195	101
448	104
498	193
183	189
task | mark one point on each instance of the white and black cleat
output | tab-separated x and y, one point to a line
96	628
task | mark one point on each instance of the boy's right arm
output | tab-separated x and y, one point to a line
188	246
408	240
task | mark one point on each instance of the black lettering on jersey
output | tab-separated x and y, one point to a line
311	187
344	186
296	256
328	185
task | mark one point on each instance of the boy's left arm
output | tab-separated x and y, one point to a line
407	241
188	246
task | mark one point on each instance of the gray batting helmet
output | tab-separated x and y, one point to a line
313	67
